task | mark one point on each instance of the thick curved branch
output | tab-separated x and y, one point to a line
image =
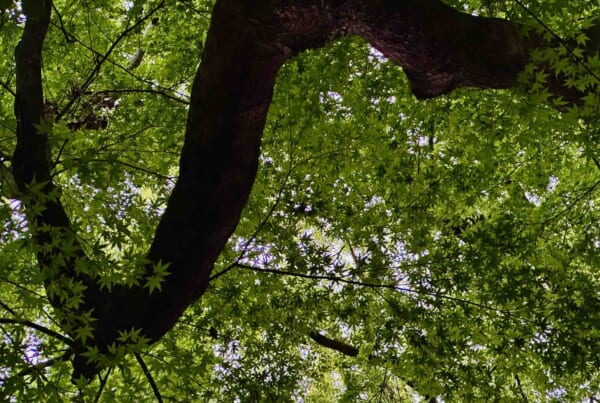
439	48
230	98
30	157
30	162
62	260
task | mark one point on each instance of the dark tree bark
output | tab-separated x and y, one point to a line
351	351
333	344
439	48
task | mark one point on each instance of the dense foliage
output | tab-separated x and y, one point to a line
451	245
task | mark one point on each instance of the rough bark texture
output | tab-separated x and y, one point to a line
439	48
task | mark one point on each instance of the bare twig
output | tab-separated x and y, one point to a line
321	277
141	90
521	389
260	226
389	286
68	37
102	385
9	309
7	88
596	162
20	286
180	95
127	164
93	74
140	361
39	328
45	364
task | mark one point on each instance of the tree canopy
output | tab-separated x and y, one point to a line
299	200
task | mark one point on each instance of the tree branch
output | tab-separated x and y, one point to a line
140	91
336	345
351	351
126	164
45	364
376	286
30	161
102	384
439	48
7	88
39	328
104	57
123	68
335	279
560	40
68	37
521	389
8	308
59	253
140	361
432	42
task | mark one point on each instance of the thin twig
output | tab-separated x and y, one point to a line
382	386
321	277
39	328
120	141
7	88
260	226
596	162
389	286
577	59
20	286
94	73
521	389
68	37
9	309
102	384
127	164
45	364
140	361
570	206
180	96
60	151
125	69
140	90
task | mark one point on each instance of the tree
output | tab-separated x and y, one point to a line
448	243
